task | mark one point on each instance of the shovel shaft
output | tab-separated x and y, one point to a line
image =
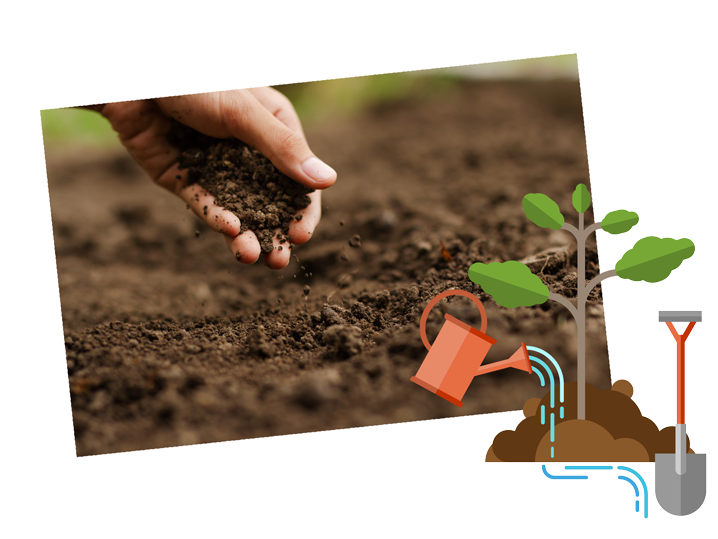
680	449
681	369
681	377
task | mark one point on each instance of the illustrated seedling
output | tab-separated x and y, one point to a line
512	284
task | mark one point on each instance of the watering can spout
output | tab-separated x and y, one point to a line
519	360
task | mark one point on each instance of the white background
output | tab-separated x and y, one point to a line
647	81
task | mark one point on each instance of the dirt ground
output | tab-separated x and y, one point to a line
170	341
615	431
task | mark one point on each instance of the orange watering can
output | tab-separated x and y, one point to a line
457	353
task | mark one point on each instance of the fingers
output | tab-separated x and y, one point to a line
142	129
244	247
280	255
301	231
240	114
280	107
202	204
265	119
248	120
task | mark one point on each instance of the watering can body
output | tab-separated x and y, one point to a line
453	360
456	356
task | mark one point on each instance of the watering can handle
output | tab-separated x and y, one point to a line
437	299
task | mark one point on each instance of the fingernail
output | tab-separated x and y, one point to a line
318	170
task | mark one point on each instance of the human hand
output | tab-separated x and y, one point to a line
261	117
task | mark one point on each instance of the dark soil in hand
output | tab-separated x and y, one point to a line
614	430
242	181
170	341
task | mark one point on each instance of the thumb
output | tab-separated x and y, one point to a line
245	118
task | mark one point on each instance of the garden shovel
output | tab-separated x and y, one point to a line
680	476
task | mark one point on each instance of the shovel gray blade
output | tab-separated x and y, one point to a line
680	494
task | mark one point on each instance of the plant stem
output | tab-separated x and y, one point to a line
581	318
558	298
579	312
570	228
592	228
598	278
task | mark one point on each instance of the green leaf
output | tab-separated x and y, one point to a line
653	259
542	211
581	198
511	284
619	221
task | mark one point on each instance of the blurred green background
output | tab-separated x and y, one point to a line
316	102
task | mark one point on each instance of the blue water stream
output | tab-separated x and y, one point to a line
552	386
636	490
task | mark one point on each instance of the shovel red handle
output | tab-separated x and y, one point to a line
437	299
681	342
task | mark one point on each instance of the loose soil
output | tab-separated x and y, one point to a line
242	181
170	341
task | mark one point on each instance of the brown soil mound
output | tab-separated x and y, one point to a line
586	441
170	341
614	430
242	181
